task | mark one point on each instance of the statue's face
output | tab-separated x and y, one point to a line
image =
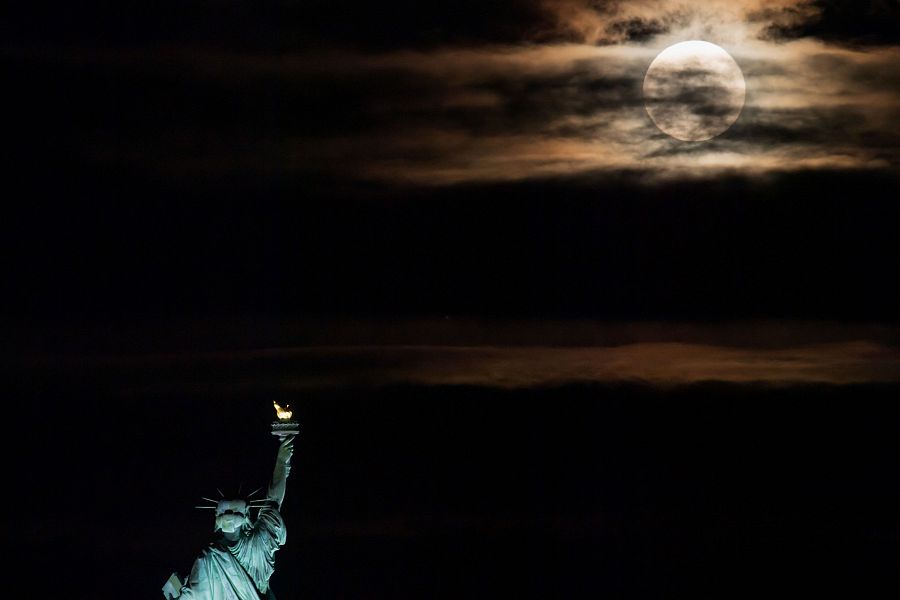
231	515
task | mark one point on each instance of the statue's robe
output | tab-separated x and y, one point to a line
242	570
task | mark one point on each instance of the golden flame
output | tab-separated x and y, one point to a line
283	413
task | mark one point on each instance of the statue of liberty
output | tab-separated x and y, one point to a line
237	565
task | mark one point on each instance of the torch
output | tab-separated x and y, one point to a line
285	425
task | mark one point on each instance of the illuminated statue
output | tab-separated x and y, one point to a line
237	565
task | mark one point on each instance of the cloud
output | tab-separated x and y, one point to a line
623	21
511	354
504	113
565	110
653	363
850	22
294	25
472	110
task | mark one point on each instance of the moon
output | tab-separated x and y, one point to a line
694	91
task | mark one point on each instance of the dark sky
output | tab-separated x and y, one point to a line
333	158
539	347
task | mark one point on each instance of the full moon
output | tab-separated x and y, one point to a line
694	91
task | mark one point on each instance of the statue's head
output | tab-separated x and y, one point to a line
232	515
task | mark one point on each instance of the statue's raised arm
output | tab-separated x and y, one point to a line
282	469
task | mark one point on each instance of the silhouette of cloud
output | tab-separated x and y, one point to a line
850	22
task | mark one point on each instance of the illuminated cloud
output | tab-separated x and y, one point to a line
512	113
555	92
513	355
622	21
659	364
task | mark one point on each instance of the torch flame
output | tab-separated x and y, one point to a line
283	413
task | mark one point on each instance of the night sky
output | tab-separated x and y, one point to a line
538	347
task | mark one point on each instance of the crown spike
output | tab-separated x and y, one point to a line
254	492
220	493
209	499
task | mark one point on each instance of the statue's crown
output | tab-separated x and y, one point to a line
235	504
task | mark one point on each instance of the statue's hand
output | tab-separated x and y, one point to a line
286	449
